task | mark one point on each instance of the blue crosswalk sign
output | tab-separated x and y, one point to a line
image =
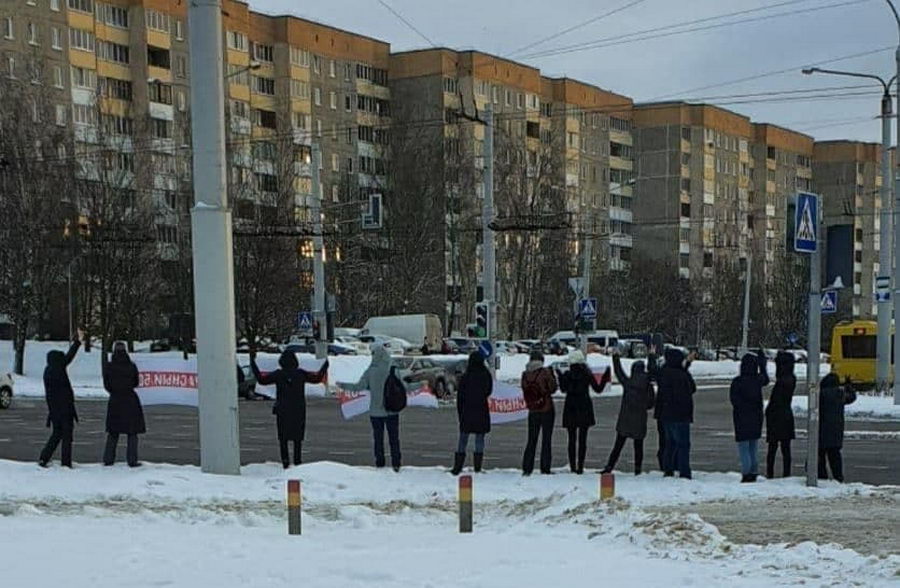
829	302
304	322
587	308
806	223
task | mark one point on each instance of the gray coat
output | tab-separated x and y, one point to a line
373	380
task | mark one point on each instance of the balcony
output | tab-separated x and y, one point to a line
572	180
302	137
86	133
684	247
620	214
684	272
240	125
303	169
621	240
163	145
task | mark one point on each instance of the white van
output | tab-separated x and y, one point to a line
415	328
604	338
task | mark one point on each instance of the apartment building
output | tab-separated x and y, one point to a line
847	175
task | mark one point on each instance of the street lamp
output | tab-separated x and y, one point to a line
254	65
883	365
896	229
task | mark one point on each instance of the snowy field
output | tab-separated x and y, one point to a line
867	407
87	382
167	525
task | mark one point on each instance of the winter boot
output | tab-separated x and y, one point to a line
479	460
459	459
607	470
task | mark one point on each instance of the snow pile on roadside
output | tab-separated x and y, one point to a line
866	408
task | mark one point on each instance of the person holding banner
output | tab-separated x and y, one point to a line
290	401
578	410
60	404
538	386
475	386
124	414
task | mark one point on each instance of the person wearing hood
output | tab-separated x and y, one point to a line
290	401
124	414
676	412
60	398
747	411
578	410
475	387
538	386
637	398
780	416
832	399
373	380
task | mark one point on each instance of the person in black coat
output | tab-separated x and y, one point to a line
780	416
637	398
747	411
290	401
124	414
475	387
832	399
675	405
60	404
578	410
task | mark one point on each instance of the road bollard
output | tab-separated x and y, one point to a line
465	504
607	486
293	489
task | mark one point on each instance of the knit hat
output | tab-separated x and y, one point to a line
576	357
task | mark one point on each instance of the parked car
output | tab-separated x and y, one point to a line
6	391
354	343
394	345
421	369
160	345
310	347
632	348
505	347
247	384
462	345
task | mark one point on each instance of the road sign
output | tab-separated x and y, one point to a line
485	349
792	338
577	286
587	308
305	323
807	223
829	302
883	296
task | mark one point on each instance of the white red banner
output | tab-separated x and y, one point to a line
507	403
355	403
268	364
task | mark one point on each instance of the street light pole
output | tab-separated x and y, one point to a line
896	293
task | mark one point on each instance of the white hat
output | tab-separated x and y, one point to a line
576	357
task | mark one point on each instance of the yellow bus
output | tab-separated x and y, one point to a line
853	350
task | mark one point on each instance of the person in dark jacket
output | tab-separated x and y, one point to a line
637	398
676	412
290	401
538	386
124	414
780	416
475	387
578	410
60	398
832	399
747	411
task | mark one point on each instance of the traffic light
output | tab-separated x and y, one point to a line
481	319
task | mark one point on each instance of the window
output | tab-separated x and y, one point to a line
803	161
686	184
299	89
572	140
158	21
82	5
332	69
58	77
84	115
238	74
335	162
179	30
686	210
61	114
32	34
8	28
115	16
620	150
55	41
239	109
181	66
348	103
532	129
620	124
317	96
332	100
182	101
237	41
82	40
266	118
112	52
520	101
317	64
684	261
161	93
301	121
707	259
114	88
263	52
263	85
158	57
266	182
162	129
54	5
348	72
508	98
299	56
451	85
858	346
117	125
84	78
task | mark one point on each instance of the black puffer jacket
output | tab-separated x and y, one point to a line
832	399
637	398
747	399
779	414
475	387
290	394
58	388
124	414
675	400
576	384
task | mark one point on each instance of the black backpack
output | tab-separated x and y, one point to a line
394	393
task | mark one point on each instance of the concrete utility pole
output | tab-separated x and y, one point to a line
745	327
896	293
813	351
586	272
489	272
319	310
213	265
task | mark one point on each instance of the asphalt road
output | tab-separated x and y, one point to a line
429	437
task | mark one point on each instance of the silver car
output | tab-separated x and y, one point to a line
6	390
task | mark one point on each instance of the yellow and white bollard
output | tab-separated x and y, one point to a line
465	504
607	486
293	500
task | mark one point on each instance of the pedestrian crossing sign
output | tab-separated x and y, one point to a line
305	322
587	308
806	223
829	302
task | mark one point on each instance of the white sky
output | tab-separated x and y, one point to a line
671	67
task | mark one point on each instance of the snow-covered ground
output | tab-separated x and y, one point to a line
166	525
866	407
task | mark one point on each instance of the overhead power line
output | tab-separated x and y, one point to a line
406	22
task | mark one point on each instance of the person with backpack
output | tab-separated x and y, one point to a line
290	401
60	398
780	416
538	386
747	411
475	387
578	410
832	399
638	397
124	414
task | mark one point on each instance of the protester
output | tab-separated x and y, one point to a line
60	404
780	416
124	414
747	411
475	386
637	398
832	399
676	412
578	410
538	386
290	401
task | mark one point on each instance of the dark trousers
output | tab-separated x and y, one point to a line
112	442
835	461
661	452
785	458
392	423
678	449
62	432
617	450
577	443
539	424
285	456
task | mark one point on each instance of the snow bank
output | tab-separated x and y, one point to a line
866	407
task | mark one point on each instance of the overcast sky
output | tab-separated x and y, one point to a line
674	66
